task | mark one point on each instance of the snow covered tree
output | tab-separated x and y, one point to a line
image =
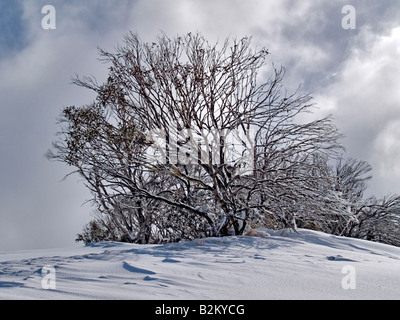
377	220
190	139
360	217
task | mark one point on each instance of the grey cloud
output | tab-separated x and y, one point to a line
366	102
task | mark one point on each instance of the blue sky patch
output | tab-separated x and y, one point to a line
12	36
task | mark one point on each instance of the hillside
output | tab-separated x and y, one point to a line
303	265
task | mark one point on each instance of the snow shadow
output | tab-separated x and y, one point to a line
10	284
339	258
104	244
129	267
235	246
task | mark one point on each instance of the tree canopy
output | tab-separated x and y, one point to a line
189	139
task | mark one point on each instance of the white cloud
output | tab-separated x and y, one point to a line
387	146
37	210
366	103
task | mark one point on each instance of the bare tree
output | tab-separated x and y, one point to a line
351	179
360	217
187	127
377	220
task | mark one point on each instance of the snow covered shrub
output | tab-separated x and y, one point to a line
96	231
378	220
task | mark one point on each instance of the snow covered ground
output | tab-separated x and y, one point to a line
303	265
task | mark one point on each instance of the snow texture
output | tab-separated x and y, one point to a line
274	265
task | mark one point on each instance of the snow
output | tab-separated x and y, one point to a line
273	265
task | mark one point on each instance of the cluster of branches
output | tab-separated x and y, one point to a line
366	218
153	147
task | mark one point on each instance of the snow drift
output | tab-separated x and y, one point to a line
303	265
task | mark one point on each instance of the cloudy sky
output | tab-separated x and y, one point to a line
352	73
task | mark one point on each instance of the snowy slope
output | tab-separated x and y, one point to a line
304	265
